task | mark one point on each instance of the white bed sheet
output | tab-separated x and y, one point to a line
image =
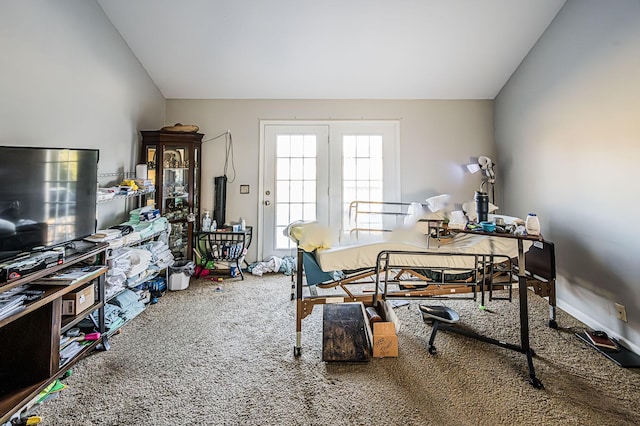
365	255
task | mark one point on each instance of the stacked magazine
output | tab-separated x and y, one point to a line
14	300
68	276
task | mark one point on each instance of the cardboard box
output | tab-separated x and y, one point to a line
78	300
385	340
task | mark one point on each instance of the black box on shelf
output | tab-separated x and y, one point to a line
34	262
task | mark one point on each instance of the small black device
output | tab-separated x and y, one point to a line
220	205
32	263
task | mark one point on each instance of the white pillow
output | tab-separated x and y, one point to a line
414	213
439	202
417	212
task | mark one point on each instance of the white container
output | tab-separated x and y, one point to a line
179	281
206	222
141	171
532	224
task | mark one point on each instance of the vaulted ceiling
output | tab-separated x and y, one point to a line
330	49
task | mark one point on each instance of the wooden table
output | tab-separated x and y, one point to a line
524	346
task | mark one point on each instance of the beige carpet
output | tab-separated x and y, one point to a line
207	357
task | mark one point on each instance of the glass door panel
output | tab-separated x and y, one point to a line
175	183
150	160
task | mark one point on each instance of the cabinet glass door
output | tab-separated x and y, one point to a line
175	183
150	159
175	195
196	185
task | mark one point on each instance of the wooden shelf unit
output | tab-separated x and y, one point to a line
30	349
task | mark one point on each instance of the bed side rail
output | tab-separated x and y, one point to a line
480	267
375	216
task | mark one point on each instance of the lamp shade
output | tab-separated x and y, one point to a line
473	167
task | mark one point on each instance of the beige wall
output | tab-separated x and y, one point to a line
67	79
568	137
436	140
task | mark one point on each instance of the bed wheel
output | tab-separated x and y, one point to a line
553	324
432	350
296	351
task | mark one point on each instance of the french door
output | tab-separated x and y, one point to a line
311	171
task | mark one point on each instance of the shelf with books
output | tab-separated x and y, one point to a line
69	322
71	347
74	276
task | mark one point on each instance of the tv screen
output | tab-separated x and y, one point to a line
47	197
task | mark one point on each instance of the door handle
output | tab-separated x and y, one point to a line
267	203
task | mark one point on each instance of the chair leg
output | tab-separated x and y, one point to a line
432	348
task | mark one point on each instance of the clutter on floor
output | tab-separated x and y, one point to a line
285	265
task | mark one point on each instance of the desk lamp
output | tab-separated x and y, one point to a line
484	164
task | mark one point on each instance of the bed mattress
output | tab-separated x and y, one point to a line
365	255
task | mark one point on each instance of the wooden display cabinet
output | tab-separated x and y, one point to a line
173	165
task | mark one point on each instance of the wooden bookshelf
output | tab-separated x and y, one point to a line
30	350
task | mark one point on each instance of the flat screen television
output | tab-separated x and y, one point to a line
47	197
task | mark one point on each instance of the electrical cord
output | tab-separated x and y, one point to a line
229	154
228	148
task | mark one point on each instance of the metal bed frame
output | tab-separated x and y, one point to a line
416	286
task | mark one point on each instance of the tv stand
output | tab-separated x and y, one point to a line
30	350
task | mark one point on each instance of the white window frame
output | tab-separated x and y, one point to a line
391	172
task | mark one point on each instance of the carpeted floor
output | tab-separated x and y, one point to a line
207	357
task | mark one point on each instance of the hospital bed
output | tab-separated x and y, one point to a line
410	266
348	273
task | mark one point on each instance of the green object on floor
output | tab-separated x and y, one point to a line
55	386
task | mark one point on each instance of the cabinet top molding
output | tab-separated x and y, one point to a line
172	136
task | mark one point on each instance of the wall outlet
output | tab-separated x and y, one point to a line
621	312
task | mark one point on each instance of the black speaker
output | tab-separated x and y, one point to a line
220	199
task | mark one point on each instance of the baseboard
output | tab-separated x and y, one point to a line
595	325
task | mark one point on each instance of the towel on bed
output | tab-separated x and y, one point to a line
311	236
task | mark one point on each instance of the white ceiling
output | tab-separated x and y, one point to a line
330	49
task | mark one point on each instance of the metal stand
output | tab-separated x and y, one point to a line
524	347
